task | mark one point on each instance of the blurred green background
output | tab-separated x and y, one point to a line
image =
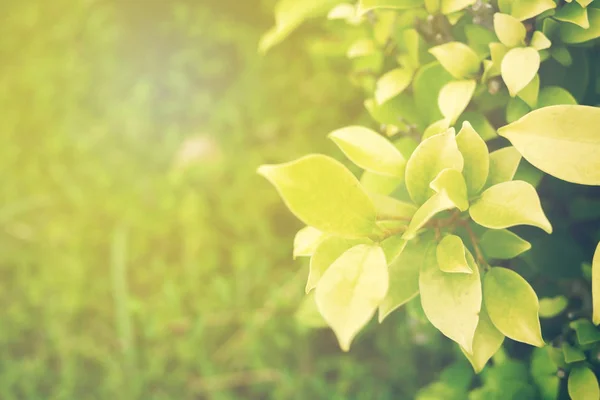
141	256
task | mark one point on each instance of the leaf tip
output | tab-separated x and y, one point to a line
264	170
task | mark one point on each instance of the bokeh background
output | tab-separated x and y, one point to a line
141	256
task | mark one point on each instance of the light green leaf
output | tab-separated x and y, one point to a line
539	41
486	342
429	159
596	285
306	241
435	204
427	84
479	39
583	3
574	14
451	257
512	306
562	141
361	48
586	332
451	6
529	94
404	275
453	184
503	165
554	95
325	254
583	384
509	30
479	123
452	302
344	11
525	9
399	111
572	354
351	290
458	59
323	194
476	157
516	109
519	67
391	208
509	204
570	33
392	247
497	53
392	84
369	150
455	97
436	128
502	244
380	184
550	307
366	5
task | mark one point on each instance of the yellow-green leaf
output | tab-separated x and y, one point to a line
583	384
457	58
426	86
323	194
555	95
509	204
596	285
525	9
453	184
351	290
392	247
486	342
451	301
380	184
369	150
502	244
433	155
455	97
361	48
307	313
503	165
552	306
529	94
570	33
306	241
435	204
451	256
574	14
366	5
476	157
391	208
392	84
451	6
572	354
562	141
512	306
509	30
539	41
519	67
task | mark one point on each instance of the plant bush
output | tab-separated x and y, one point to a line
484	117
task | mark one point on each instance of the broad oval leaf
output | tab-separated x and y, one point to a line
476	158
451	255
574	14
435	204
555	95
486	342
508	204
452	302
324	194
512	306
369	150
455	97
458	59
306	241
529	94
391	208
525	9
503	165
562	141
570	33
502	244
552	306
539	41
519	67
351	290
509	30
583	384
392	84
433	155
596	285
453	184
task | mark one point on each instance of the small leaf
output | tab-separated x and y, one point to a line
453	184
476	158
509	30
361	48
516	109
583	384
509	204
503	165
529	94
343	11
451	257
572	354
561	141
480	124
554	95
486	342
369	150
366	5
351	289
574	14
519	67
436	128
497	53
392	84
435	204
502	244
525	9
306	241
427	84
404	276
512	306
457	58
455	97
391	208
586	332
451	6
550	307
452	302
428	160
596	285
323	194
570	33
539	41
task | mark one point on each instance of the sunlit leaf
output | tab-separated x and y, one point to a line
519	67
427	84
458	59
366	5
502	244
435	204
451	256
583	384
476	158
554	95
451	6
509	30
525	9
306	241
486	342
380	184
391	208
574	14
392	84
539	41
503	165
455	97
570	33
452	182
529	94
552	306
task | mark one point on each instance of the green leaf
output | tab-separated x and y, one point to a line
583	384
486	342
380	184
451	6
543	371
550	307
572	354
554	95
361	48
516	109
570	33
525	9
509	30
369	150
479	39
366	5
529	94
584	3
476	158
323	194
479	123
392	84
436	128
503	165
399	111
404	275
586	332
519	67
512	306
391	208
392	247
429	159
453	184
502	244
435	204
351	289
458	59
325	254
306	241
452	302
561	141
509	204
497	53
427	84
539	41
574	14
455	97
451	256
596	285
345	12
